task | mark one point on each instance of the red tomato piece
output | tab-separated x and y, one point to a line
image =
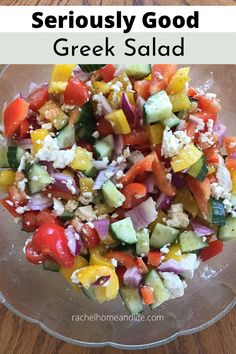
147	295
104	127
34	256
154	258
50	240
141	265
29	221
46	216
142	87
134	194
37	98
209	105
138	136
161	75
89	236
9	208
23	130
123	258
214	248
57	194
212	155
230	145
76	93
16	196
120	271
107	72
87	146
14	114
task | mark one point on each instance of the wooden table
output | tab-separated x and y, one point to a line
20	337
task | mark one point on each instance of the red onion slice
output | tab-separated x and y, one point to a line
142	215
39	202
129	111
102	227
201	230
132	277
64	183
171	266
73	241
163	202
102	281
103	176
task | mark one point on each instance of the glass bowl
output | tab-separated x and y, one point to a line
46	299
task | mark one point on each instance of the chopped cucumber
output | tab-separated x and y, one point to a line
111	195
216	212
90	292
138	71
14	155
171	122
59	117
109	139
103	149
66	137
38	178
189	242
86	123
91	172
162	235
160	292
51	266
88	68
199	169
3	157
228	231
66	216
131	299
124	231
142	245
157	107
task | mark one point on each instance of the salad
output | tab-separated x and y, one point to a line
123	176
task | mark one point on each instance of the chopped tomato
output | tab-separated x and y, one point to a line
230	145
201	192
161	75
209	105
141	265
206	145
104	127
212	155
37	98
161	181
231	164
142	87
140	167
192	92
107	72
14	114
76	93
138	136
51	190
86	146
144	148
190	128
212	178
29	221
46	216
89	236
23	131
11	209
147	295
50	240
16	196
134	193
214	248
123	258
120	271
206	116
154	258
34	256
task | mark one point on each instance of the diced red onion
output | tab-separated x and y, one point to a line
163	202
178	180
100	164
79	74
39	202
180	126
25	144
143	214
139	104
64	183
197	120
49	166
119	145
73	241
201	230
220	130
223	178
119	70
171	266
102	281
102	227
32	87
103	176
149	183
132	277
129	111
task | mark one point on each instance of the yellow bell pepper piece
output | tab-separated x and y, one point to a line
37	137
82	160
186	158
174	253
130	96
160	220
7	179
88	275
59	77
178	81
109	292
54	114
86	185
149	77
185	197
68	173
155	133
96	257
118	121
79	262
101	86
180	101
233	179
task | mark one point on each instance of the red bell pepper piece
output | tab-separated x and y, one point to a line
161	181
37	98
14	114
89	236
76	93
147	295
9	208
201	192
107	72
123	258
154	258
214	248
134	194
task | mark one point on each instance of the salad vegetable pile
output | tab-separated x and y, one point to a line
124	177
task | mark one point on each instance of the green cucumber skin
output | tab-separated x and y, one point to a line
88	68
51	266
123	231
162	235
190	242
14	155
227	232
216	214
131	299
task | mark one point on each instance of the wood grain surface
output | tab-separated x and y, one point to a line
20	337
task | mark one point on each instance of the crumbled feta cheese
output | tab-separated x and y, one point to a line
47	126
119	185
70	186
200	126
86	198
58	207
71	205
114	262
108	174
204	239
86	213
119	174
165	249
21	184
114	215
96	134
224	178
113	163
170	144
22	210
90	224
98	99
22	164
163	258
120	159
135	157
189	263
173	282
210	125
169	177
117	86
177	217
206	138
9	202
183	138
